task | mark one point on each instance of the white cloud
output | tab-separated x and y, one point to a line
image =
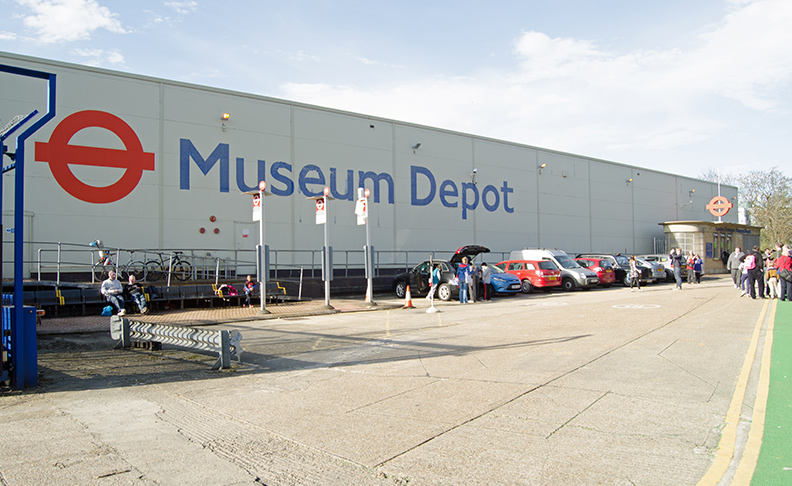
182	8
68	20
573	94
99	57
7	35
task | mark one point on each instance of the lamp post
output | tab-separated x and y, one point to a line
262	253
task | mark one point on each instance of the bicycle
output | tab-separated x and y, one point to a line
157	269
105	264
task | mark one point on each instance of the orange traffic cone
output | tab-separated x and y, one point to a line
408	300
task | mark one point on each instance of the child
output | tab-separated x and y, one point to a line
771	275
249	286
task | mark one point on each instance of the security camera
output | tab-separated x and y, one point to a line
475	170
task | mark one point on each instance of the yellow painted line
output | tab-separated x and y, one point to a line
729	437
745	471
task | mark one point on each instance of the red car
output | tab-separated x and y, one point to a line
543	274
602	268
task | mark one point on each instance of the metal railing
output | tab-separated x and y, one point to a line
70	259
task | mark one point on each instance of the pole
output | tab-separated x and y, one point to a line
262	276
327	251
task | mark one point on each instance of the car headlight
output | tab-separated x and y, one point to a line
499	279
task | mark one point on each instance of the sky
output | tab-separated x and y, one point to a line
678	86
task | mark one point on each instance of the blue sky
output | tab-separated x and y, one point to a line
677	86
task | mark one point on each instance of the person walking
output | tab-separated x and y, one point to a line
733	266
635	274
462	273
434	280
676	264
784	262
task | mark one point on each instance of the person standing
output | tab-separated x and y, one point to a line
635	274
135	293
784	262
473	281
691	274
486	281
462	273
756	273
771	277
676	264
113	292
733	266
698	264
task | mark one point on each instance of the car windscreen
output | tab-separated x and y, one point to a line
622	260
566	262
547	265
496	269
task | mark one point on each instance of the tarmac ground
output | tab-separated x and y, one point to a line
608	387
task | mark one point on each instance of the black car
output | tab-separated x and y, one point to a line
418	277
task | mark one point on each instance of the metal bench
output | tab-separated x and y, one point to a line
225	343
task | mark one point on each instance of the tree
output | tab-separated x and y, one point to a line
767	194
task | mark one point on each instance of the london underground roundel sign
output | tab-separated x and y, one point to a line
719	206
60	155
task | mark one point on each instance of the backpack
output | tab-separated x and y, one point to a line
750	262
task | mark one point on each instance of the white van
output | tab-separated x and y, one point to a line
572	275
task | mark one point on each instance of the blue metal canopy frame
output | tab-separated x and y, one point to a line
19	377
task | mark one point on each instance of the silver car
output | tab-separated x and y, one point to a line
658	270
662	259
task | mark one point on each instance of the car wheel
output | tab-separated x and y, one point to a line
401	289
444	292
568	284
527	288
626	280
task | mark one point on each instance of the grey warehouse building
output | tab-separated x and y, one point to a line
148	163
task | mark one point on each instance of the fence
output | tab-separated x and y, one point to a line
68	260
225	343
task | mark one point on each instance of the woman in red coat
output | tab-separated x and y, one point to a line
784	262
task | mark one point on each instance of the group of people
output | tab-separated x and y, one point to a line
116	293
693	264
475	282
766	274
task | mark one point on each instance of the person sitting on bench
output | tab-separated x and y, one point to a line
113	291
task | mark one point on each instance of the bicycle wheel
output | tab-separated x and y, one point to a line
154	271
100	271
136	268
182	270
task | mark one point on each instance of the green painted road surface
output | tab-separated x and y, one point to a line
774	467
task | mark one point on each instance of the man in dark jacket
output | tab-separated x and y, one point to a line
756	274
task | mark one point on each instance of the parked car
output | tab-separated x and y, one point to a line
664	260
601	267
504	283
621	267
572	275
542	274
418	276
658	271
